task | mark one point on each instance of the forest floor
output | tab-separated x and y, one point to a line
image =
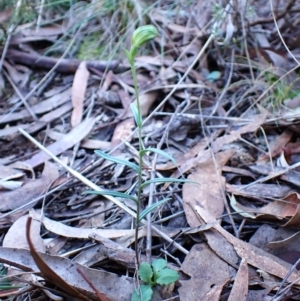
219	93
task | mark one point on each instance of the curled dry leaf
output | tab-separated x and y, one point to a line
48	272
10	185
279	209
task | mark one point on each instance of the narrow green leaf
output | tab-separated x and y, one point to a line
167	180
112	193
159	152
9	287
145	272
117	160
129	56
144	294
166	276
149	209
135	113
158	264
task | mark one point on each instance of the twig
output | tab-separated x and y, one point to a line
152	186
9	36
23	100
97	188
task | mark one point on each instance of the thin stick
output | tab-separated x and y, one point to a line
97	188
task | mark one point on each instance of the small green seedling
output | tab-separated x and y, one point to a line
151	275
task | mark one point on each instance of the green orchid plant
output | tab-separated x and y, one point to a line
156	273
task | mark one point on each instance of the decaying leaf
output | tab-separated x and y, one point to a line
67	141
252	255
206	270
71	232
32	189
209	191
78	91
240	286
16	235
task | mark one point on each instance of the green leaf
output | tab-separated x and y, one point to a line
145	272
136	116
159	152
158	264
214	75
149	209
143	294
166	276
112	193
166	180
117	160
9	287
129	56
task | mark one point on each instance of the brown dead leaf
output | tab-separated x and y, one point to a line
253	126
86	143
183	29
68	141
68	271
39	108
16	235
226	252
156	60
289	207
202	157
240	286
84	233
281	243
122	131
50	30
95	144
206	270
208	193
218	144
252	255
277	146
78	91
117	253
18	75
9	173
46	271
32	189
182	158
146	101
10	185
259	190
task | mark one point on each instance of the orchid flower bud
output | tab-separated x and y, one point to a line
142	35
